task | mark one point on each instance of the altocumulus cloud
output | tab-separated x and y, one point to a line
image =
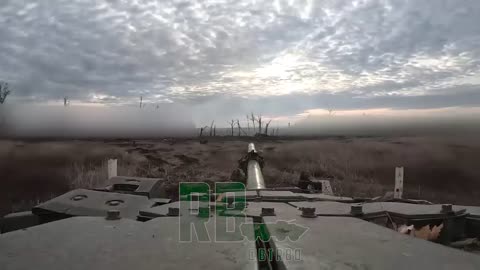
232	56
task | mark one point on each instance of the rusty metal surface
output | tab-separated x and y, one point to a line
97	244
83	202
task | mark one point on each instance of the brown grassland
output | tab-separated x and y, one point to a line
436	169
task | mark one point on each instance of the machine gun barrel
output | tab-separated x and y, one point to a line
254	170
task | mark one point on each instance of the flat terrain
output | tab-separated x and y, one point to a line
436	169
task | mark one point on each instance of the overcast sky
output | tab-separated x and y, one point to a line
226	58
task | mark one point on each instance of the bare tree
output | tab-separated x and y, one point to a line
202	129
266	126
66	102
141	101
232	124
259	120
238	126
214	131
211	128
240	129
4	91
253	122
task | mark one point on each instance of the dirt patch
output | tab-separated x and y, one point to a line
186	159
141	150
157	160
164	150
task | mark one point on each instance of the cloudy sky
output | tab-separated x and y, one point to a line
224	58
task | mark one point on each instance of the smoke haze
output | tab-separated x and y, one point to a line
90	121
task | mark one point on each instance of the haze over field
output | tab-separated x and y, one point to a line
87	121
282	59
175	120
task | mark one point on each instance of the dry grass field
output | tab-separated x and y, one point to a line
436	169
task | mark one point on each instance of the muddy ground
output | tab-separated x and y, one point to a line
436	169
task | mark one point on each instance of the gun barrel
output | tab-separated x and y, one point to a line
251	147
254	176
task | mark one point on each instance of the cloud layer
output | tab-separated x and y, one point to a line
232	56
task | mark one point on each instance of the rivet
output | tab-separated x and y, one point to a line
308	212
78	197
173	211
447	208
268	211
356	209
113	214
114	202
